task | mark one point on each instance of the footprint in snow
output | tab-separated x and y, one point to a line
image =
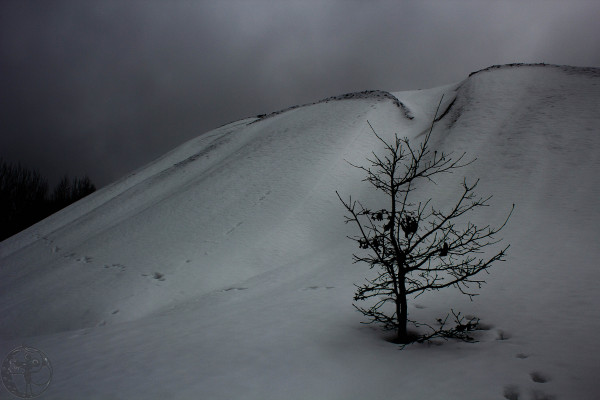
512	392
121	267
502	335
539	377
78	258
156	275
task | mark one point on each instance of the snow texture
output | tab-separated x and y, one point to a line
222	270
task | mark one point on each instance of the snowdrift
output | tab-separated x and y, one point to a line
222	269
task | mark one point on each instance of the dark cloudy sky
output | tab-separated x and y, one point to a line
103	87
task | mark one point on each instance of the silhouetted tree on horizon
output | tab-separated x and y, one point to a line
24	198
68	191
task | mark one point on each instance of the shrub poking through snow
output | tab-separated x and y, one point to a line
417	247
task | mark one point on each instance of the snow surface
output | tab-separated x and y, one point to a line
222	270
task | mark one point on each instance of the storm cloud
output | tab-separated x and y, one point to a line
103	87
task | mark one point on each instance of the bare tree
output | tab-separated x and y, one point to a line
24	196
415	246
69	190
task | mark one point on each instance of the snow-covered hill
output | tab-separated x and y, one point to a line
222	270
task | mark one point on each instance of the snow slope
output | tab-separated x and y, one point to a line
222	270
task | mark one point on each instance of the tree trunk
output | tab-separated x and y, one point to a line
402	312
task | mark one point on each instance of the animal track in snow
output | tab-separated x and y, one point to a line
234	289
56	249
78	258
511	392
121	267
156	275
539	377
502	335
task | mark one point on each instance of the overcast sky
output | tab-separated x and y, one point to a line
104	87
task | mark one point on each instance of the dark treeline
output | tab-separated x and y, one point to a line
25	196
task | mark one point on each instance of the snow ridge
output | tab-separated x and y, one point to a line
591	71
366	94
